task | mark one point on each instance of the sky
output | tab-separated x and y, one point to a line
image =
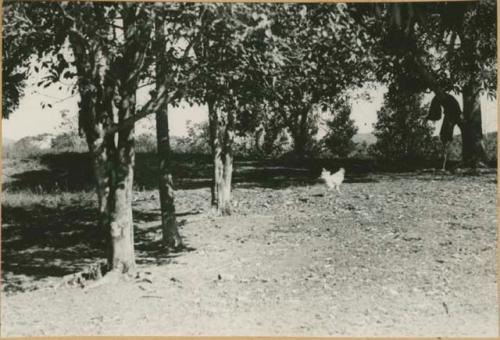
30	119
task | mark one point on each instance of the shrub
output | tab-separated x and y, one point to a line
338	140
402	131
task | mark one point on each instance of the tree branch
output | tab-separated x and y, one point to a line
77	32
72	19
152	106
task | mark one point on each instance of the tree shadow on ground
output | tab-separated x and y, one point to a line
43	240
71	172
64	172
39	242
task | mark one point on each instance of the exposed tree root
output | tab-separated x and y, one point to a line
96	275
111	277
93	272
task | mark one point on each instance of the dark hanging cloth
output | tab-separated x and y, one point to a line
452	115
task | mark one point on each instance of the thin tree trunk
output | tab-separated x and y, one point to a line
225	205
258	140
102	165
270	135
171	237
300	135
221	140
213	121
218	182
473	151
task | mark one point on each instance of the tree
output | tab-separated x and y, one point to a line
341	129
24	36
108	75
14	58
110	45
443	47
403	133
233	53
170	233
325	56
473	68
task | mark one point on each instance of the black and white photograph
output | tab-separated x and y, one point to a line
249	169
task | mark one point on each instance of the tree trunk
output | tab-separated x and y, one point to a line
473	151
213	122
99	154
270	135
107	84
113	169
259	133
225	204
221	140
300	135
102	165
120	222
171	237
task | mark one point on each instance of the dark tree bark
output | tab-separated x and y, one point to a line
472	133
473	151
271	133
171	236
300	132
213	124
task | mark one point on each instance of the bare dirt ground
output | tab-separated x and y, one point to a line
392	255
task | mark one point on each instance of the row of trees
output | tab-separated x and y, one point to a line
259	68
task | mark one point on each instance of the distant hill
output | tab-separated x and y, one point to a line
369	138
42	141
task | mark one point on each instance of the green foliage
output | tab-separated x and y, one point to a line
270	64
440	45
33	35
402	131
467	44
15	57
338	140
325	55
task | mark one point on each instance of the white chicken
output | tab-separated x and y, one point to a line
333	180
